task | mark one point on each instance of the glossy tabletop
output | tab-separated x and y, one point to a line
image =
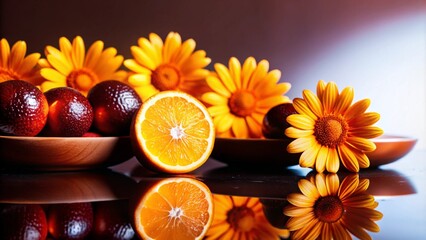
398	187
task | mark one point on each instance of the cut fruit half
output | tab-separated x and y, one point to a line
172	132
174	208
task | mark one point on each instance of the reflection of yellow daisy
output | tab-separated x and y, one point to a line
14	65
327	210
70	66
242	96
170	66
241	218
329	128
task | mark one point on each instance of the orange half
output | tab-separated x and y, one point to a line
172	132
174	208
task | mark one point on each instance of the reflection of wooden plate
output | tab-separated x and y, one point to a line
254	152
63	153
389	149
64	187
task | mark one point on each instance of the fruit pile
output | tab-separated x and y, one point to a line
107	110
85	220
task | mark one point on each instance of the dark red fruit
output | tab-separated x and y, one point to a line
70	113
112	221
114	104
22	221
70	221
23	108
274	122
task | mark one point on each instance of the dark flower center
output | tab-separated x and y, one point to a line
329	209
331	130
166	77
242	103
241	218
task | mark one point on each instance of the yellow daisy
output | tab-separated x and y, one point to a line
242	96
327	209
71	66
14	65
172	65
328	129
241	218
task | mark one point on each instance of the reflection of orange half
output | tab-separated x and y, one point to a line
172	208
64	187
389	149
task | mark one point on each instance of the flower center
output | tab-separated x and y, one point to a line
241	218
329	209
6	74
166	77
242	103
331	130
82	80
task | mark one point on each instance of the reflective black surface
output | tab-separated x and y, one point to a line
399	188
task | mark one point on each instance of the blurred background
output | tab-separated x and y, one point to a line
376	46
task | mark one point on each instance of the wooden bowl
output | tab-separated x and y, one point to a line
390	148
63	153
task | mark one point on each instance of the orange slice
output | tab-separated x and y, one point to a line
174	208
172	132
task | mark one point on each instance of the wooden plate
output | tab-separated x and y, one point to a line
63	153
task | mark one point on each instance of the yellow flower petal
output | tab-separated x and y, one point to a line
17	54
184	52
330	96
366	132
321	85
300	200
259	74
294	211
60	64
365	119
357	108
348	159
149	49
79	52
313	103
214	98
247	71
321	159
235	71
136	67
348	186
225	123
217	86
333	184
53	75
308	157
293	132
301	121
239	128
218	110
142	58
138	80
28	63
255	128
302	108
344	101
93	54
308	189
5	52
333	161
361	144
225	76
171	44
301	144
